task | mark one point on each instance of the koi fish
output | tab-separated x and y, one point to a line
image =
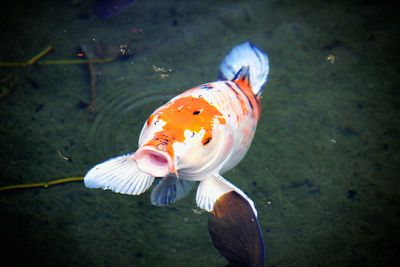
195	137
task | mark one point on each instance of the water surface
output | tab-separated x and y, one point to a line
322	170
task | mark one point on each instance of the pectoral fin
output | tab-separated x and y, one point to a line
120	175
169	190
235	231
211	188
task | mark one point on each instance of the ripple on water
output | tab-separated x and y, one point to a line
120	119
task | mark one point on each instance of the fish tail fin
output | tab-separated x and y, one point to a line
246	55
235	231
119	174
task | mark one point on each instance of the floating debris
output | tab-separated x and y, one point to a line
332	58
62	156
163	72
197	211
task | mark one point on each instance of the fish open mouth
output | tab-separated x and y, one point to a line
154	162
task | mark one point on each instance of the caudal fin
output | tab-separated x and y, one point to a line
235	231
120	175
246	55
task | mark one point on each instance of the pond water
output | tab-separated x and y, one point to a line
322	169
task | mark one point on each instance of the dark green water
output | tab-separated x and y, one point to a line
322	170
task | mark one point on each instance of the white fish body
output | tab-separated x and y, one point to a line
196	136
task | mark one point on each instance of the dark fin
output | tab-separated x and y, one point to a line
169	190
235	231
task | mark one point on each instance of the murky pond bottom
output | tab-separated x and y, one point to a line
322	168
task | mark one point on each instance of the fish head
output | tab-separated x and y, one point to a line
186	134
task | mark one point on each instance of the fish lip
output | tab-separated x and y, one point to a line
150	160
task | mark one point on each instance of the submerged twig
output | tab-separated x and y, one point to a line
93	81
45	184
35	60
28	62
40	55
88	54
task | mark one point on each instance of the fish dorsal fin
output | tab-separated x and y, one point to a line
242	55
242	78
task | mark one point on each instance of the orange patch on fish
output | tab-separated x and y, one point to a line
242	101
186	113
150	119
244	85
